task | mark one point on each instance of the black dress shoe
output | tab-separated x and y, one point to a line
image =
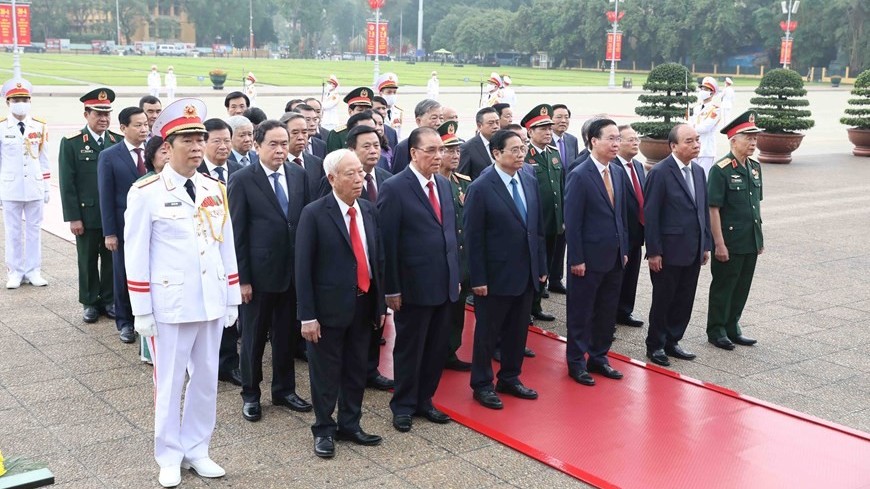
127	335
658	357
543	316
516	390
234	376
723	343
109	311
251	411
324	447
529	353
630	320
496	355
677	351
545	294
743	340
90	315
360	438
381	383
581	377
435	416
458	365
488	399
294	402
402	422
605	370
557	288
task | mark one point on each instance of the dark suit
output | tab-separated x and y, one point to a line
557	263
572	147
473	157
401	157
635	239
391	135
318	147
265	238
313	168
229	350
326	286
507	255
116	173
322	134
422	265
381	175
581	157
254	157
596	235
677	229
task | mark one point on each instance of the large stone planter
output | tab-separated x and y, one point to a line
217	80
777	148
861	139
654	150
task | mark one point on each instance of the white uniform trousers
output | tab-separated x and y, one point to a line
23	222
179	349
705	162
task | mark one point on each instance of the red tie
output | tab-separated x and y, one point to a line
362	268
298	161
434	201
637	191
140	162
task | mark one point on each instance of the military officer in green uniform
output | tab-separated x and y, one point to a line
735	193
77	167
459	186
358	100
545	159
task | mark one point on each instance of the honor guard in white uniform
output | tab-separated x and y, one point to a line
154	82
508	96
493	90
184	288
24	190
329	105
433	86
171	83
706	118
388	85
251	89
727	99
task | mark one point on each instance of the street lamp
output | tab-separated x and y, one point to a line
615	20
118	20
251	24
16	58
788	8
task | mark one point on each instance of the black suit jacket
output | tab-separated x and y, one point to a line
265	237
322	134
231	167
473	157
116	173
422	257
571	147
326	281
632	206
677	226
314	170
380	175
581	157
401	157
502	249
391	135
254	157
318	147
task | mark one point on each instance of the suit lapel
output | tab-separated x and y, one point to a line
508	199
334	212
371	239
265	185
681	179
129	163
598	178
418	191
177	191
481	148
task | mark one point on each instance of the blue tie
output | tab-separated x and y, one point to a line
521	208
279	193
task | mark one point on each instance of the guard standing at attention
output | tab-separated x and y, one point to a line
734	194
80	199
358	100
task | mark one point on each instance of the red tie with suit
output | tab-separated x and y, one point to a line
434	201
362	267
637	190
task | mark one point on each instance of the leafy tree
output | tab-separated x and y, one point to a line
669	87
858	112
781	102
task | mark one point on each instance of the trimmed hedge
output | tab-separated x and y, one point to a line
858	114
670	87
781	96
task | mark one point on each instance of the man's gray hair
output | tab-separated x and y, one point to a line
330	163
238	121
584	130
424	106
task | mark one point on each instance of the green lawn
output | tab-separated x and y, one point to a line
115	71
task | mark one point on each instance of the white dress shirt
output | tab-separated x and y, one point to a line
424	182
131	149
507	183
281	181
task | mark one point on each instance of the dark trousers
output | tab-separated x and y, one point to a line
123	309
551	241
419	355
728	293
504	317
373	353
592	301
95	269
271	313
557	262
673	295
457	321
629	282
336	367
229	352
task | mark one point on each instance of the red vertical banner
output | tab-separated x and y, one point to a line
5	24
614	46
785	51
22	13
383	39
371	34
376	34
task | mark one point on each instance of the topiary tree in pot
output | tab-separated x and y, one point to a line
858	115
781	113
668	94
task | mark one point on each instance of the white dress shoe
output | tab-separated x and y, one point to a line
170	476
35	279
205	467
13	282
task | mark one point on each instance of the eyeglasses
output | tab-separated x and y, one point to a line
517	150
430	151
612	139
631	140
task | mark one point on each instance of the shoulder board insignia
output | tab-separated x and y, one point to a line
146	181
340	128
38	119
112	136
462	177
3	119
75	135
723	162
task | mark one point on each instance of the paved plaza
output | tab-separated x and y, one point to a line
73	396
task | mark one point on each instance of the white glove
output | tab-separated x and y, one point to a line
46	197
145	325
232	315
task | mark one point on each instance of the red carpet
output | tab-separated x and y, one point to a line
655	428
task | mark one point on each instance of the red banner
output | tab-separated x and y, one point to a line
22	18
614	49
785	51
613	17
373	31
375	4
788	26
